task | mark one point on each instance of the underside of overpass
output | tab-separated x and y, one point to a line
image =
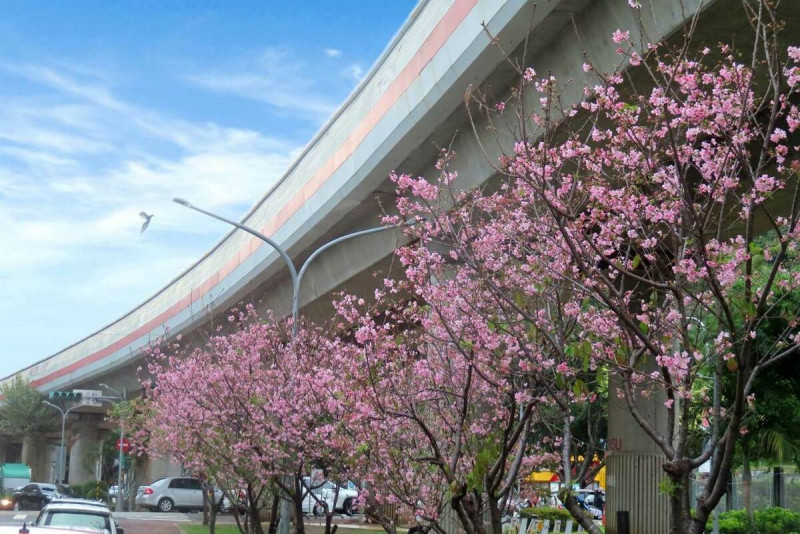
410	104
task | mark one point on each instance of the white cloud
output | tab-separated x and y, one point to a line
93	92
333	53
74	176
354	72
78	162
276	78
34	157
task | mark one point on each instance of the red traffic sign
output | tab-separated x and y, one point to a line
126	445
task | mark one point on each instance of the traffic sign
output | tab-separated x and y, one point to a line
89	397
126	445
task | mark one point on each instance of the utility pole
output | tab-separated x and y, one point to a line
120	397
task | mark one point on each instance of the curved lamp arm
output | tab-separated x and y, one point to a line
326	246
256	233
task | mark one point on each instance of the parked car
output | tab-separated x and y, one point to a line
595	498
326	491
73	514
36	495
16	529
581	497
241	502
174	493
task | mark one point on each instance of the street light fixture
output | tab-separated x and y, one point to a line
297	279
63	456
120	397
297	276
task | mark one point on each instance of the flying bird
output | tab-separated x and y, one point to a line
146	218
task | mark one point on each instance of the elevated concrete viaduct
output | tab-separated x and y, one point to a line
411	102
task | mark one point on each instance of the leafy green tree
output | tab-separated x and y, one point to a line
22	413
771	430
773	427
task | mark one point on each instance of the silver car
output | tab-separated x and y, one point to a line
174	493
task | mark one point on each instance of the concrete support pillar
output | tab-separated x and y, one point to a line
28	450
81	457
633	464
50	459
157	468
33	448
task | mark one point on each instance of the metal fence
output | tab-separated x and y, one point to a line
768	488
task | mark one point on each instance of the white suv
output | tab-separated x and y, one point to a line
325	491
174	493
73	514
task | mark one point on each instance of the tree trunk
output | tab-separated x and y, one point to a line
253	509
297	501
329	513
474	510
464	506
677	521
205	505
495	516
579	515
212	510
255	521
241	519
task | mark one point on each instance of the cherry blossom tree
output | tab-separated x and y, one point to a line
209	409
245	410
620	237
447	388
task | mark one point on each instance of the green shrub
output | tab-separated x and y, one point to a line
767	521
545	512
91	490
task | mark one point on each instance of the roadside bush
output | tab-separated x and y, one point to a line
767	521
91	490
545	512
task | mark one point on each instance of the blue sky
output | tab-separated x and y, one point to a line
111	108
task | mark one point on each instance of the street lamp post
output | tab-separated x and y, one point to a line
297	279
62	459
120	397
